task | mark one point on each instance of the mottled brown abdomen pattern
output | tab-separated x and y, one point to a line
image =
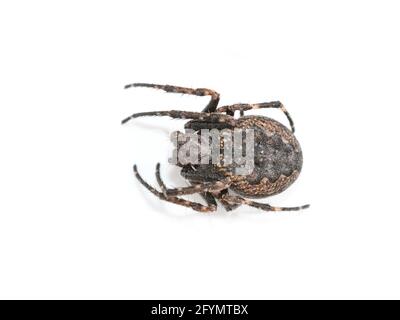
278	158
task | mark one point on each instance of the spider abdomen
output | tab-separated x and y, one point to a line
277	158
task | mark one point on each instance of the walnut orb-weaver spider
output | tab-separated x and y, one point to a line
277	156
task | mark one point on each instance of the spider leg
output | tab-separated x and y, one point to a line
247	106
159	180
263	206
199	188
212	105
194	205
229	206
197	125
176	114
208	197
195	188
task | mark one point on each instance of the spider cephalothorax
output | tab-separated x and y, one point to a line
276	155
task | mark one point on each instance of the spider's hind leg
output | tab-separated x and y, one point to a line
242	107
263	206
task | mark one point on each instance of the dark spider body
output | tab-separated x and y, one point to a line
277	156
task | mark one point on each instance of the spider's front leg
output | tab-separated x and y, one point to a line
190	204
228	205
212	105
200	175
214	186
207	196
177	114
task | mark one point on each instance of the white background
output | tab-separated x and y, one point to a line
74	223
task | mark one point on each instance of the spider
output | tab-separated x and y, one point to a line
277	156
